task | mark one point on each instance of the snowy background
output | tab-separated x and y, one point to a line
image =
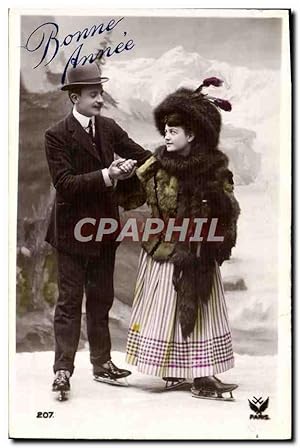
169	53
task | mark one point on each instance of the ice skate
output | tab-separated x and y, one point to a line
61	384
174	383
211	388
111	374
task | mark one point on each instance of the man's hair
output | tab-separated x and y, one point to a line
74	89
78	90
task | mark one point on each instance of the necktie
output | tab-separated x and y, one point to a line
90	130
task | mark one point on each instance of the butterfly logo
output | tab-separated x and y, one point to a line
258	405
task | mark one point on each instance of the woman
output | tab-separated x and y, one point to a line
179	326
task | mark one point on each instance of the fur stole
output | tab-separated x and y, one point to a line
205	189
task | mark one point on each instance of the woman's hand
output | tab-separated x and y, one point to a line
122	169
128	168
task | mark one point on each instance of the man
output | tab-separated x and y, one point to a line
80	153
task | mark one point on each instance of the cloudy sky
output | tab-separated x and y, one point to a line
251	42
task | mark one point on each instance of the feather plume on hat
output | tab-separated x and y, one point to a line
219	102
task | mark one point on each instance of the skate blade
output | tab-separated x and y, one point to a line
173	386
118	382
198	394
63	395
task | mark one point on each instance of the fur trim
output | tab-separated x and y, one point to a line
200	185
196	164
130	193
205	189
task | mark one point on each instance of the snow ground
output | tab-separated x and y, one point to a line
143	410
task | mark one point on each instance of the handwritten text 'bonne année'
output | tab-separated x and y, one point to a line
45	39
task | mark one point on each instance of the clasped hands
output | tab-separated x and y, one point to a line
121	169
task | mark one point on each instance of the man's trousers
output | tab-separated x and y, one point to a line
94	276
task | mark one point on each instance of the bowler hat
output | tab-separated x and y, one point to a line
83	75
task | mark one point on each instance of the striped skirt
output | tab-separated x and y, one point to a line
155	343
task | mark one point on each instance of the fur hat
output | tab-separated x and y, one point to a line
198	114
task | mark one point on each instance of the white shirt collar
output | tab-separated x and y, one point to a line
83	120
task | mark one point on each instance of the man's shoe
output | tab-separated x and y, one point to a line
61	381
111	374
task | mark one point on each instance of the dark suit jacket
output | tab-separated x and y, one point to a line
75	166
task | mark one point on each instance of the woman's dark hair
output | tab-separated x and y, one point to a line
176	119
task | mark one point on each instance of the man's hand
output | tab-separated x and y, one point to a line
128	168
122	169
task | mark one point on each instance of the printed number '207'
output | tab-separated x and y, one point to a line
45	414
